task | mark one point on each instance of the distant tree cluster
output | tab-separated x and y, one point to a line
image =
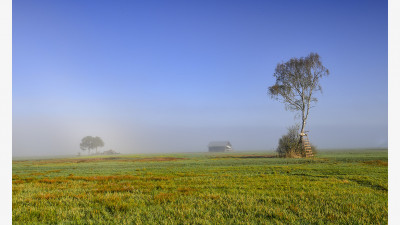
89	143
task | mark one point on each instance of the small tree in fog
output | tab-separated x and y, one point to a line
98	142
297	80
87	144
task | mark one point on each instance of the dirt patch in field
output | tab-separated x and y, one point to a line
107	159
58	180
376	163
159	159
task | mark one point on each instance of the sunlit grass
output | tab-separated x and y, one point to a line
235	188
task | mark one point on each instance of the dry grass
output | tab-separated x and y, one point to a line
186	190
164	197
159	159
47	196
245	156
212	197
115	188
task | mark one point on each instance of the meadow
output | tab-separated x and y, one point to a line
346	187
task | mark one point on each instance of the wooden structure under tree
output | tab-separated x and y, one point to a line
306	145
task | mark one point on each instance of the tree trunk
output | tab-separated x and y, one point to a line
303	120
303	125
300	144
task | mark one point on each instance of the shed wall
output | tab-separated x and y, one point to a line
217	149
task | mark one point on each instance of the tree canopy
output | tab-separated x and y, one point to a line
89	143
98	142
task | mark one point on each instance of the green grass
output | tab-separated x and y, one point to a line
347	187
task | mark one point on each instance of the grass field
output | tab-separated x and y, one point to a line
347	187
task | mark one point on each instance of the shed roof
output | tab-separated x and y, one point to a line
219	143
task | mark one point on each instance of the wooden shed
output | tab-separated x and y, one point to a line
219	146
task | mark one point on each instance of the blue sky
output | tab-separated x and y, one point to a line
152	76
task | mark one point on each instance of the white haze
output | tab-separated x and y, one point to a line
52	136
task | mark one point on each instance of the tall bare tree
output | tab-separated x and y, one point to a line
297	81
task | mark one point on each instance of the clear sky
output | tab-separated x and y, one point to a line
158	76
